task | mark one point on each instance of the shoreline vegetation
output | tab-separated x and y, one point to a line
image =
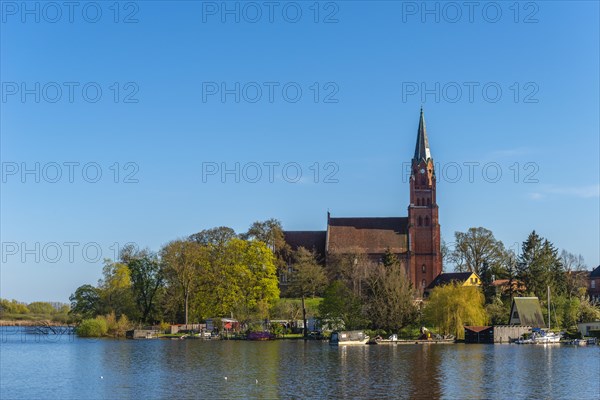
260	285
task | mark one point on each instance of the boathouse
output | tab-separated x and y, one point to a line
495	334
479	334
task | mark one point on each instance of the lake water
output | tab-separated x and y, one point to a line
34	367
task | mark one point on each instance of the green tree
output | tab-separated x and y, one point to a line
146	279
576	273
477	250
390	301
497	312
115	289
350	267
341	307
588	312
271	233
242	281
307	278
184	261
540	267
85	302
12	307
253	277
515	286
218	236
41	307
451	307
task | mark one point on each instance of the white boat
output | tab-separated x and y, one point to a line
343	338
540	336
544	337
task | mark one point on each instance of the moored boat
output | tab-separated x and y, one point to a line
540	336
348	338
577	342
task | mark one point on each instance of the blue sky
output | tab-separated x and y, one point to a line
372	68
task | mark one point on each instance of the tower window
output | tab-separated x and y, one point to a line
420	221
426	221
423	269
418	202
423	283
428	202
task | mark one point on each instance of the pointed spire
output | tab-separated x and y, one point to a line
422	151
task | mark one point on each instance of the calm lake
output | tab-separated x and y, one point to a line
35	367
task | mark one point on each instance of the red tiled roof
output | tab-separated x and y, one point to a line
477	328
310	240
370	235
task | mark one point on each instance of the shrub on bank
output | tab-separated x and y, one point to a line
95	327
117	327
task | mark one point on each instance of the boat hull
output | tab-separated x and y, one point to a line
348	338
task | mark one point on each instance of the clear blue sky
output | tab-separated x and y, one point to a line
372	58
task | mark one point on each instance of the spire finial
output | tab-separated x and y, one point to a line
422	151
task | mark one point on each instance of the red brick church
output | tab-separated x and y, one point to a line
414	239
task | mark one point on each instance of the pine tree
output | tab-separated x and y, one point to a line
539	266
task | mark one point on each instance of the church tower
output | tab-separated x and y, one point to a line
425	258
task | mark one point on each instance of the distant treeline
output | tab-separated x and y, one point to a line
12	310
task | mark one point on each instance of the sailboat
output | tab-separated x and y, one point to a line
541	336
546	337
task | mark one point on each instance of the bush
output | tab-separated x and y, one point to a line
96	327
255	327
165	327
277	330
117	328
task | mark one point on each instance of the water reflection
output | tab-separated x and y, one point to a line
71	369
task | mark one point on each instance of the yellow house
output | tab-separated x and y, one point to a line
462	278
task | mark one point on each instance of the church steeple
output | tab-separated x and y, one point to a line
422	152
423	215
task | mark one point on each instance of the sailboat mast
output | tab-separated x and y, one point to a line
548	307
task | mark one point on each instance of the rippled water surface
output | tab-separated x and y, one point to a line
71	368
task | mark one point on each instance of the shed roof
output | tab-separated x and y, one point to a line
530	311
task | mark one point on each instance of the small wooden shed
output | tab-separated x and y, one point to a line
479	334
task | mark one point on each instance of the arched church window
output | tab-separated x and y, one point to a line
418	202
428	202
420	221
426	221
423	283
423	269
423	181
